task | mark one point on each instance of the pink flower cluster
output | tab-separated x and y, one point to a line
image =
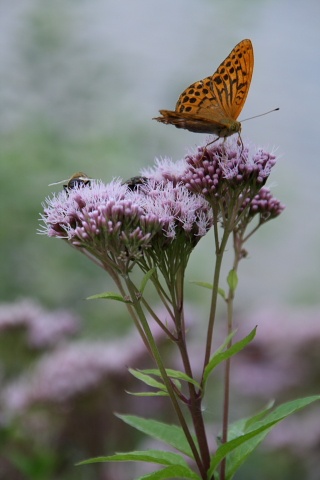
42	328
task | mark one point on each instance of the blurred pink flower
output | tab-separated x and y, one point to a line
282	354
74	369
43	328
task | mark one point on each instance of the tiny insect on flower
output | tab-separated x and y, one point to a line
133	183
78	179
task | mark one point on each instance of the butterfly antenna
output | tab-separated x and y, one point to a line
261	114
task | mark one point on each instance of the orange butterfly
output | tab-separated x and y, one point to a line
212	105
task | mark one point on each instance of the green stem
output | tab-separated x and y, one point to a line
237	244
219	256
194	402
226	393
114	275
195	399
157	320
157	357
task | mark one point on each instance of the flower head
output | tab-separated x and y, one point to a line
231	178
185	219
264	205
117	224
166	170
102	220
224	165
180	212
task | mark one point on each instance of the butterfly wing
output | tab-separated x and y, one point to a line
231	82
212	105
223	94
200	100
198	110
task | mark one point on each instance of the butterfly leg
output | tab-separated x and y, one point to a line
240	142
213	141
205	151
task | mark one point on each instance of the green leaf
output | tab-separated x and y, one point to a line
203	284
148	394
178	467
225	343
172	472
220	356
222	293
141	375
170	434
109	296
240	427
244	444
237	457
150	456
232	280
258	416
176	374
210	286
146	278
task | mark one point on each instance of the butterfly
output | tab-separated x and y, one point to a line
79	179
212	105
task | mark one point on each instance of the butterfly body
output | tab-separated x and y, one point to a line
212	105
198	124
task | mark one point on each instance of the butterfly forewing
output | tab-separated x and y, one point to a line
231	82
198	96
212	105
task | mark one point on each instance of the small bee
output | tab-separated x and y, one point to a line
134	182
79	179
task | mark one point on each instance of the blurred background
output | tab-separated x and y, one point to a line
80	82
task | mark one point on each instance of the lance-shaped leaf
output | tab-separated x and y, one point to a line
221	292
146	278
150	456
178	467
169	434
109	296
147	379
219	356
159	393
245	443
171	473
174	374
151	382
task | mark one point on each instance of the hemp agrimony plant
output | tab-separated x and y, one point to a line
153	225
